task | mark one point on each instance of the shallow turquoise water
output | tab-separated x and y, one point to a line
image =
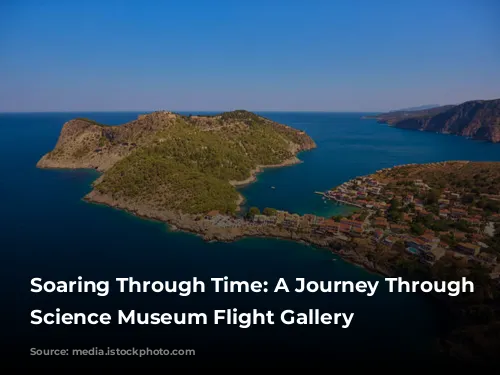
48	231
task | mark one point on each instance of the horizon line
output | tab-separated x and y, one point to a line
196	110
230	110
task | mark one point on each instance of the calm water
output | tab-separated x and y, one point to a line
48	232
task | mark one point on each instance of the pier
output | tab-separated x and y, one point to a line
346	203
338	200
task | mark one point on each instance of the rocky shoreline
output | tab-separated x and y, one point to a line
475	119
211	233
261	168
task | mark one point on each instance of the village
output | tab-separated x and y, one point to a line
389	216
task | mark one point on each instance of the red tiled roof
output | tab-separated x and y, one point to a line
417	241
330	223
428	236
344	227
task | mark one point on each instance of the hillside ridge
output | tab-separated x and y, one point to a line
475	119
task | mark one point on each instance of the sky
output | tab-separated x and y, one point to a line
311	55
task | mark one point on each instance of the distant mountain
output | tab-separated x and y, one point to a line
427	106
395	116
477	119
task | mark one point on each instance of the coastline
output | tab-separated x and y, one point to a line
210	233
239	202
494	139
261	168
207	230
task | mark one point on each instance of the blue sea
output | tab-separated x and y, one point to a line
47	231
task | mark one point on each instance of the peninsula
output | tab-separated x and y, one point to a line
172	167
476	119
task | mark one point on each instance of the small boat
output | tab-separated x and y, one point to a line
272	187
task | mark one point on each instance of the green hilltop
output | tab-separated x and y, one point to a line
186	164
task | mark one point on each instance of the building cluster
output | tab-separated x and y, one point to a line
312	224
370	194
375	223
359	192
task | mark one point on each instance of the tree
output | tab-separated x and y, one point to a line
428	220
433	208
462	226
439	226
268	211
433	196
395	215
450	240
394	204
417	229
252	212
399	246
468	198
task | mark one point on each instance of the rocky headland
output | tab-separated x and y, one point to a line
476	119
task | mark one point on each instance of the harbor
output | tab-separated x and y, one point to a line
338	200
